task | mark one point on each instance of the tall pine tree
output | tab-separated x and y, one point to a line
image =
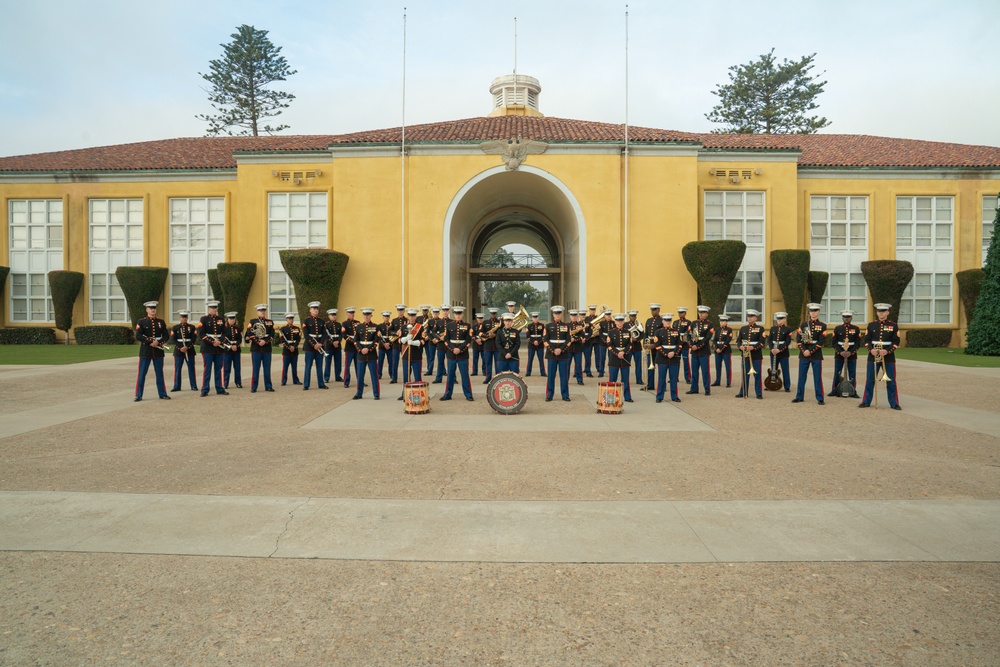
239	81
983	337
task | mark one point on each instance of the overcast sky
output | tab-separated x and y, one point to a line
78	73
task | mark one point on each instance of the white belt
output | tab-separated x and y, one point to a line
534	335
557	342
457	342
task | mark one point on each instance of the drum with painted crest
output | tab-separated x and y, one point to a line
415	398
610	398
507	393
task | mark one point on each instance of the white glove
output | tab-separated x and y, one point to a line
406	339
414	343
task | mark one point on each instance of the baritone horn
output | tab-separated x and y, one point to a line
521	319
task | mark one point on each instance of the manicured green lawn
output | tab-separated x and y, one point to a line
63	354
943	355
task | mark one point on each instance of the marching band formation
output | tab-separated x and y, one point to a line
437	342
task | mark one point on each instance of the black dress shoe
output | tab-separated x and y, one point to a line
475	375
392	382
832	393
204	394
469	398
376	398
445	398
269	389
164	398
863	405
355	398
339	379
820	403
547	400
436	382
796	400
627	400
786	391
194	388
590	375
239	386
676	400
400	398
896	407
708	393
690	392
579	383
222	393
253	391
347	385
136	399
659	400
566	399
305	388
760	398
715	384
738	396
176	389
324	386
283	384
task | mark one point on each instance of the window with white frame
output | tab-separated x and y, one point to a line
739	216
197	244
294	220
838	238
115	240
989	218
36	247
925	237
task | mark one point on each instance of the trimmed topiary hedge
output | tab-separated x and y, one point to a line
65	287
104	335
970	283
140	284
928	337
816	284
316	274
982	337
791	267
216	286
28	336
887	280
713	265
235	281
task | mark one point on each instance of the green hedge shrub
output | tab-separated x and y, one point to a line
316	275
65	287
235	281
28	336
713	265
983	337
887	280
141	284
213	282
817	285
928	337
970	283
791	267
104	335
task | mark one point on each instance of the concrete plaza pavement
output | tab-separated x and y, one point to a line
306	528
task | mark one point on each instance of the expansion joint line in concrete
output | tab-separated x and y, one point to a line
454	474
288	522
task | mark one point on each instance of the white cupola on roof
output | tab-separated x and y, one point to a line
515	95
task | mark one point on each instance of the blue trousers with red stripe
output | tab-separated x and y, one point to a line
261	359
726	359
805	364
179	362
891	390
372	368
161	387
213	368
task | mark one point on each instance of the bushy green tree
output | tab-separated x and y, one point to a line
983	337
713	265
235	280
316	275
240	80
140	284
765	97
65	287
792	270
887	280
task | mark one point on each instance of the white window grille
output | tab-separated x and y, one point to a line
294	220
989	217
838	244
115	240
36	247
197	244
925	237
740	216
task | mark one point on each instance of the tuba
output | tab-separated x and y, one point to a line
521	319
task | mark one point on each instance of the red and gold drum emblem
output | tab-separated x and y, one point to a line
507	393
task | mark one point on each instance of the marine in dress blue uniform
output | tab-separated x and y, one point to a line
577	331
846	342
385	345
291	340
366	338
588	342
619	344
458	338
431	323
723	348
396	330
508	343
184	336
488	334
259	336
442	346
350	349
881	339
635	354
667	348
779	340
534	335
210	332
334	347
600	347
750	339
811	354
682	324
653	323
313	343
233	335
700	351
557	342
412	340
152	334
477	346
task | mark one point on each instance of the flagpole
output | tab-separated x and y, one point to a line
626	220
402	177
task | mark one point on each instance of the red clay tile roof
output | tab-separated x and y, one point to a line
817	150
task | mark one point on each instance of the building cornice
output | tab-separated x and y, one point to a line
750	155
139	176
900	173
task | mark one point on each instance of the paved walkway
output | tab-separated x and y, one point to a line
502	531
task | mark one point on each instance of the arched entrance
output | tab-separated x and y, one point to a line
528	207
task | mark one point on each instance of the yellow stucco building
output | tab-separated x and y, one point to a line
417	213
